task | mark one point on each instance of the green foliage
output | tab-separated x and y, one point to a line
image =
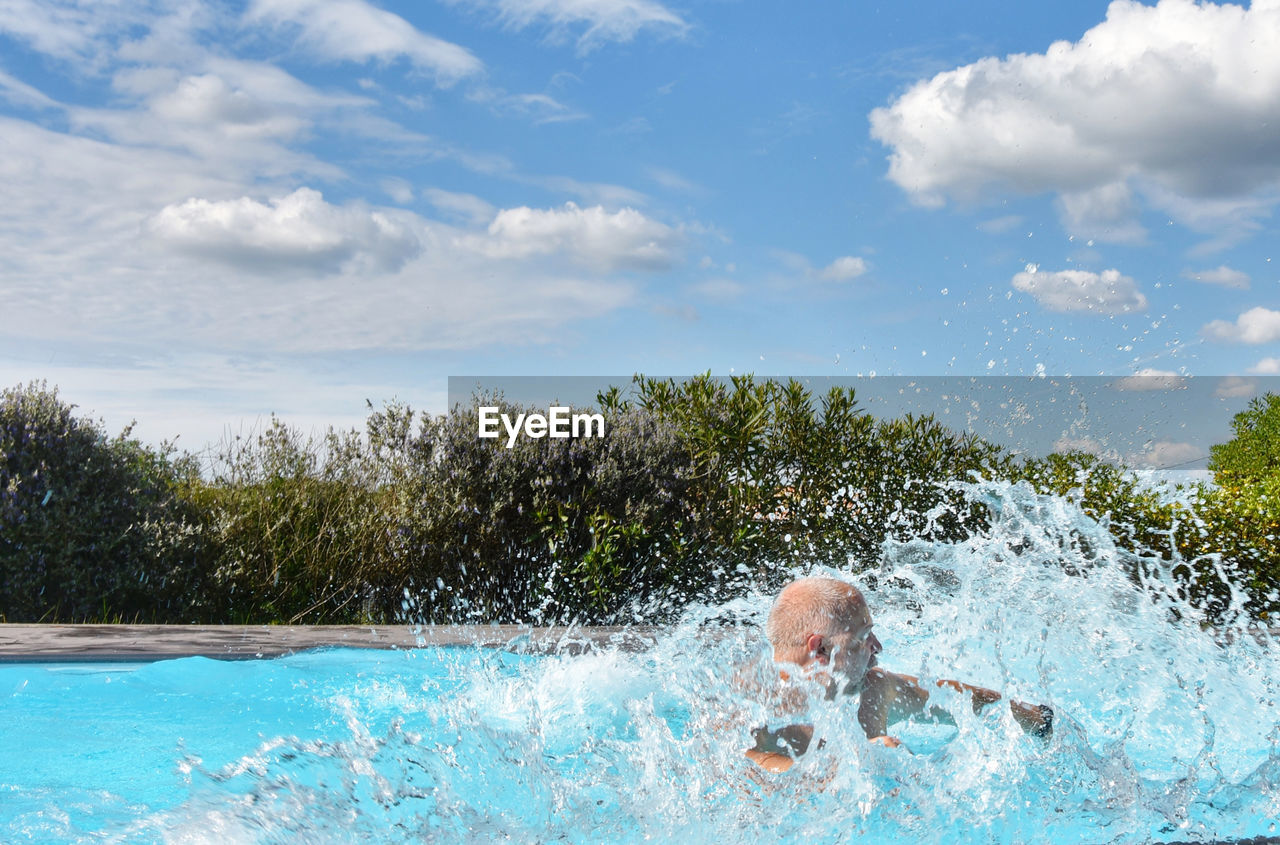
304	530
788	478
1254	453
697	490
1221	542
90	526
1137	515
549	529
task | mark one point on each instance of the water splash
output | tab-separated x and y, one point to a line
1165	730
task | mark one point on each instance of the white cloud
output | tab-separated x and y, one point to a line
588	236
1266	367
1168	454
1175	101
538	109
797	267
1068	443
238	117
1221	275
16	91
1107	292
599	21
68	30
1234	386
673	181
465	207
1151	379
718	289
843	269
106	251
298	231
398	189
1255	326
1105	213
356	31
1000	225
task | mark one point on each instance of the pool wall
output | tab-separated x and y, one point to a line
79	643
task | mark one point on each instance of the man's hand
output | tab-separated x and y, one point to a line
770	761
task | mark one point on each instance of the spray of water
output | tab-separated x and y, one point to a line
1166	728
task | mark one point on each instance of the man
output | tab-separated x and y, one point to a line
823	626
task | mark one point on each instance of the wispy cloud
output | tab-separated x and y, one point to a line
1222	275
356	31
593	22
843	269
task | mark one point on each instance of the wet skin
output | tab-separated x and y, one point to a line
886	698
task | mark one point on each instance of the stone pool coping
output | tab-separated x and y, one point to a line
75	643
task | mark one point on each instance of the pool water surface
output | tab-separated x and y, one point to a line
1165	730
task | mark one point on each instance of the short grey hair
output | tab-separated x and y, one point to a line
807	606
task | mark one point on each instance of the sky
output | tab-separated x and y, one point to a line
212	212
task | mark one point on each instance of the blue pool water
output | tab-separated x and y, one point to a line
1165	731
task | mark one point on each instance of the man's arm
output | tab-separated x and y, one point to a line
888	697
776	751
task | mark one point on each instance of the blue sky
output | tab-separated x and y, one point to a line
212	212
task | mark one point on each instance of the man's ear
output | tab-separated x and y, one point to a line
814	646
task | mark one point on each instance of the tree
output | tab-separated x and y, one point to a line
1254	453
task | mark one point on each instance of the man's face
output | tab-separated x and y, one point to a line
851	650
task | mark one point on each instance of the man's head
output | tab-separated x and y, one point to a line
823	624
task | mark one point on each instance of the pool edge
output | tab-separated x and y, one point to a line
25	643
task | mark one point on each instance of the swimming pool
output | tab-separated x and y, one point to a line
1165	732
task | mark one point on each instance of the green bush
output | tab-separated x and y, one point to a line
304	530
549	529
1254	453
1220	542
90	526
698	490
788	478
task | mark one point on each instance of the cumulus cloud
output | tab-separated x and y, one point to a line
1105	213
1149	378
356	31
592	237
598	21
1221	275
1255	326
1266	367
1175	101
240	117
1233	386
843	269
1107	292
299	230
